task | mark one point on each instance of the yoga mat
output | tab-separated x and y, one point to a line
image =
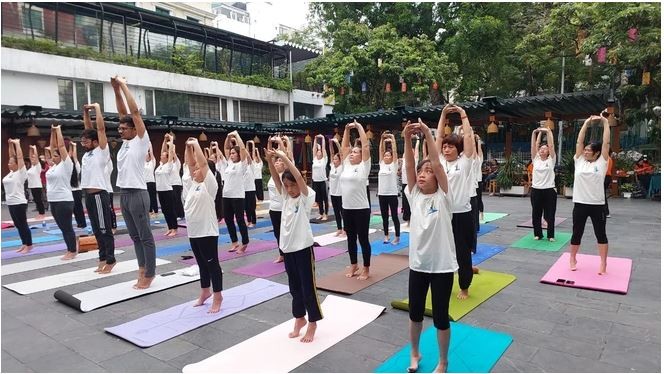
59	232
72	277
485	229
20	267
266	236
330	218
256	246
528	242
119	242
173	249
488	217
529	223
223	230
167	324
327	239
35	240
6	225
485	284
382	266
103	296
464	355
272	351
615	280
376	220
378	247
486	251
267	269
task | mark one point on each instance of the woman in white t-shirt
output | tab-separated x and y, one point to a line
543	196
258	174
405	206
148	172
76	191
58	190
431	254
249	186
297	243
234	190
14	183
590	164
355	203
457	155
34	181
319	177
162	177
276	199
335	186
388	192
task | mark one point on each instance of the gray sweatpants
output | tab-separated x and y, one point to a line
135	205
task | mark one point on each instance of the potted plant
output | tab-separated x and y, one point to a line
509	178
566	168
627	189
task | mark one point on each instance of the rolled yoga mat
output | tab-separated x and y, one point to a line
42	263
488	217
378	247
529	223
35	240
158	327
485	252
382	266
586	275
484	285
331	238
256	246
274	352
72	277
103	296
464	354
528	242
267	269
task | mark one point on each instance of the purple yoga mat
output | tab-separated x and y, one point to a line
268	268
254	247
529	223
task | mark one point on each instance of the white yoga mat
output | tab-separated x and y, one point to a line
72	277
330	238
273	351
48	262
97	298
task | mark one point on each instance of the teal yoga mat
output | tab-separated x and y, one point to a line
35	240
472	350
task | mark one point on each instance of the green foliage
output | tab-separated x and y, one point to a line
627	187
509	173
308	37
567	169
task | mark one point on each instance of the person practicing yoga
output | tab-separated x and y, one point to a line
151	183
76	190
234	170
388	192
249	186
335	186
405	207
296	241
14	183
543	196
164	187
590	164
34	181
276	200
319	177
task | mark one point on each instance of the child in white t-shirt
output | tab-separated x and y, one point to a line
296	242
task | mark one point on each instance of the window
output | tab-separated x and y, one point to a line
193	19
236	111
149	102
34	15
167	103
74	94
282	112
161	10
66	94
205	107
252	111
224	110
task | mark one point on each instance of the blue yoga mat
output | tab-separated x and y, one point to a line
472	350
485	229
173	249
35	240
378	247
59	232
223	230
267	236
486	251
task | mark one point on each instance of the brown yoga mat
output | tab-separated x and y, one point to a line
382	266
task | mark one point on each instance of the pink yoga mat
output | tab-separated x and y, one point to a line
254	247
268	268
7	225
529	223
615	280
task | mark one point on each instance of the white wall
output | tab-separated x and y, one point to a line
29	89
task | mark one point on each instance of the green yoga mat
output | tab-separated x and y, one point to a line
376	220
472	350
485	284
488	217
528	242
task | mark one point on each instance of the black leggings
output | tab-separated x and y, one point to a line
152	192
179	208
356	222
78	208
114	218
300	267
62	211
480	203
463	230
259	189
219	199
368	196
320	188
580	215
275	218
405	206
250	205
607	183
441	289
234	210
99	212
38	198
390	203
205	251
474	207
544	201
168	208
338	211
19	214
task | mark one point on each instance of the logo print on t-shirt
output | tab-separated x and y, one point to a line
297	209
198	188
432	210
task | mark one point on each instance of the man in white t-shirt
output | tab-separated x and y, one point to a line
134	201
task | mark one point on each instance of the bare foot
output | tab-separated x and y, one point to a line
309	335
552	240
107	268
144	283
234	247
537	238
396	240
572	264
319	218
141	274
241	249
414	363
279	259
216	303
353	270
172	233
21	249
441	368
299	324
476	270
386	240
602	268
205	294
167	233
365	273
463	294
68	256
324	217
338	233
100	265
251	225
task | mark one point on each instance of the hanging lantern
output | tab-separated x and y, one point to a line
448	129
404	88
612	117
388	87
380	62
434	86
307	139
633	34
601	55
257	140
645	78
370	133
549	122
33	131
342	91
364	86
492	128
336	134
202	137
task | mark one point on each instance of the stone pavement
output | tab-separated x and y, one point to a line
555	329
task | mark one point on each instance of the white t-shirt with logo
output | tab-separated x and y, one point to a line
318	169
335	184
248	177
148	171
431	248
296	231
460	181
353	182
58	181
544	174
199	207
589	180
387	179
131	162
14	183
174	178
234	179
162	176
93	166
258	170
34	176
108	170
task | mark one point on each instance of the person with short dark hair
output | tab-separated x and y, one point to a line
388	192
543	196
14	183
276	198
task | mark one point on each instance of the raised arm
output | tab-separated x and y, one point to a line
322	146
535	142
440	133
164	143
87	123
366	147
72	152
549	142
101	127
227	145
468	137
171	153
606	139
60	142
133	108
34	159
580	139
238	141
189	158
409	157
200	160
381	145
480	154
301	184
345	141
18	152
119	101
271	155
434	156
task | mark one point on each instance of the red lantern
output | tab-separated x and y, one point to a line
388	87
342	91
404	88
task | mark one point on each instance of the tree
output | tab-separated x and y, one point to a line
308	37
